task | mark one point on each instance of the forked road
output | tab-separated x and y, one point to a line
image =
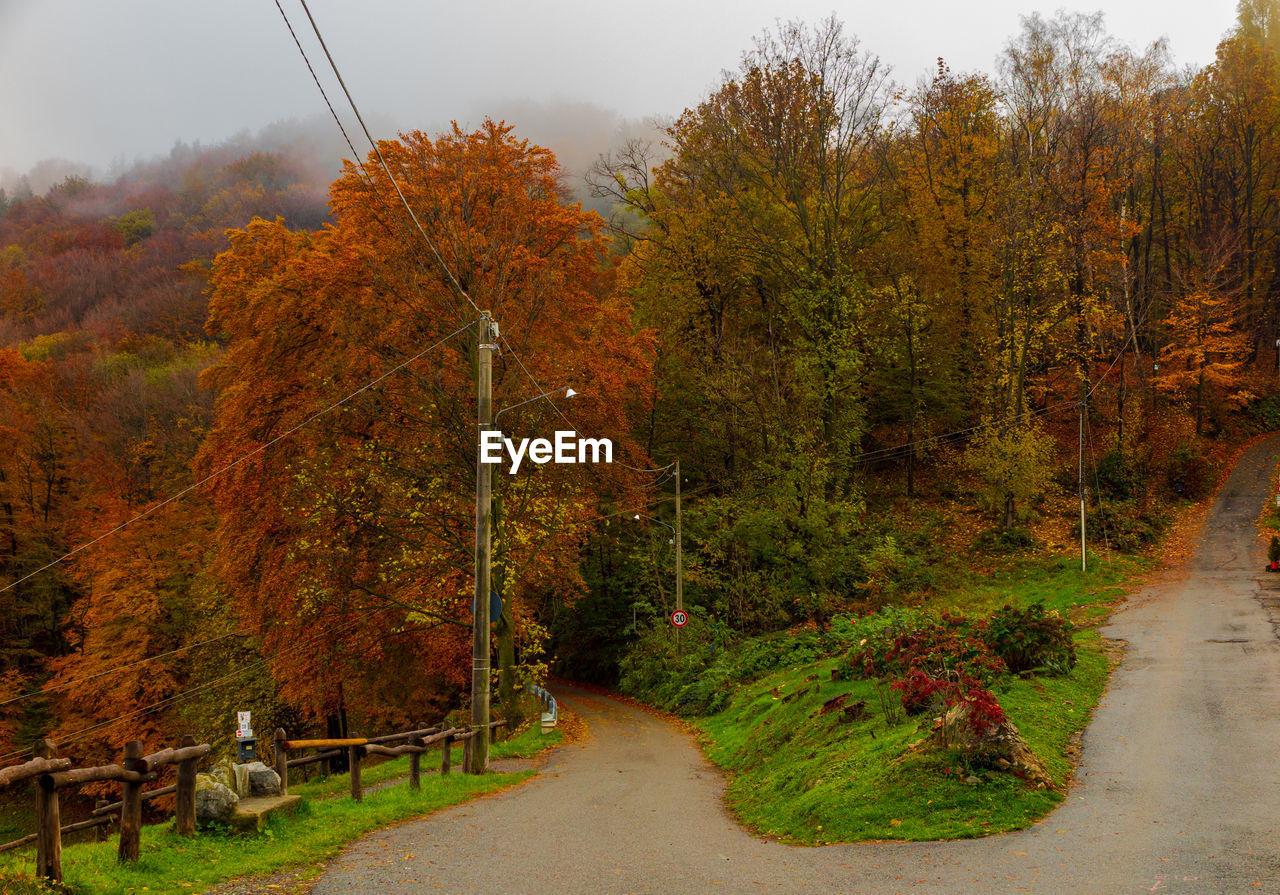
1179	790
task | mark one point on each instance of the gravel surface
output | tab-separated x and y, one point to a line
1178	790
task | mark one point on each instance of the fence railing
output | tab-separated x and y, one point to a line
547	700
413	743
53	775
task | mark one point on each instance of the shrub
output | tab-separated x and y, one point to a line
708	672
875	632
1031	638
1188	470
1265	414
952	645
1273	549
922	692
1005	540
1116	478
1018	461
1124	526
985	712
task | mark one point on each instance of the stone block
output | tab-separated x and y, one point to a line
251	814
215	802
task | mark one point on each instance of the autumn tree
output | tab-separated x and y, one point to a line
938	311
1259	21
1205	350
355	532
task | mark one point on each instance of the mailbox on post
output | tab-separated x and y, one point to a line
245	740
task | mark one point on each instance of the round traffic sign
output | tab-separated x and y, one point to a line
679	618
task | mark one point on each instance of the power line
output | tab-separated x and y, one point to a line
80	680
355	156
561	413
453	281
892	453
216	473
81	734
307	641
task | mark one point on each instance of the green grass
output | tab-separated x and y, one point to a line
320	829
813	778
528	744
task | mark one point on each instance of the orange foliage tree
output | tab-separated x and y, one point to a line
350	540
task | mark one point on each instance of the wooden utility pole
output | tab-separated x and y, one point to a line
479	751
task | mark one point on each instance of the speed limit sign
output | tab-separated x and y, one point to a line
679	618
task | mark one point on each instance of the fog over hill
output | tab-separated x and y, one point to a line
577	131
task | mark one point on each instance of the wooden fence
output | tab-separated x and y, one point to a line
53	774
413	744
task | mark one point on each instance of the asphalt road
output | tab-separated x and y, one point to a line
1178	790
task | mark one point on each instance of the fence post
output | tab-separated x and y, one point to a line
466	752
353	758
100	831
415	764
48	822
446	754
131	807
282	761
184	811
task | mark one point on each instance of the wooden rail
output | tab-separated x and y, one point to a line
53	774
147	796
413	743
69	828
33	768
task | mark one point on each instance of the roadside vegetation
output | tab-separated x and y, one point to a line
325	822
828	734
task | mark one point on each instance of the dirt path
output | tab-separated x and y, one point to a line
1179	789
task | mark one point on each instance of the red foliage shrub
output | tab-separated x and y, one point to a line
952	646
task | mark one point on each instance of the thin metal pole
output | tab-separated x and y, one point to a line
679	557
480	644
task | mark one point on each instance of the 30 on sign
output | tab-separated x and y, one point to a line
679	618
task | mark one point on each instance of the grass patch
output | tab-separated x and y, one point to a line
528	744
809	777
320	829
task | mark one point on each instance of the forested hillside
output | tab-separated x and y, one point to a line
889	329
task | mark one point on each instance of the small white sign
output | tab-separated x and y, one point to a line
242	720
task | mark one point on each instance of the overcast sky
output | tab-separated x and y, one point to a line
100	80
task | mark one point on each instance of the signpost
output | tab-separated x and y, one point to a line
245	739
679	618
